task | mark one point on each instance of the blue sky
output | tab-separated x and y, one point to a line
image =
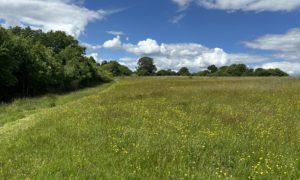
176	33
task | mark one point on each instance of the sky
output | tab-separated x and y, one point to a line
175	33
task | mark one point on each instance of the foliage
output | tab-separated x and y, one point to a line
184	71
168	72
33	62
212	69
239	70
146	67
116	69
158	128
8	65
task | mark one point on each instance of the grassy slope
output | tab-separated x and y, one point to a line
153	128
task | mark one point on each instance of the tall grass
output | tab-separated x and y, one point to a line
162	128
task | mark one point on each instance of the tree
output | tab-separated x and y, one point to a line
248	72
202	73
58	41
277	72
212	68
125	71
104	62
146	67
8	64
240	70
184	71
237	69
261	72
33	62
168	72
269	72
116	69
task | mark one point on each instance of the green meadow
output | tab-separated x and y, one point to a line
156	128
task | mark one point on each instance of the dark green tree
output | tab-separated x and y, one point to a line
146	67
184	71
33	62
277	72
212	68
237	69
8	64
261	72
58	41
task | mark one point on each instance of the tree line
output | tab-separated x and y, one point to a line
33	62
146	67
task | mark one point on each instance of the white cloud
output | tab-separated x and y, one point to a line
131	63
91	47
182	3
286	49
145	47
197	57
289	42
288	56
174	56
64	15
244	5
115	43
243	58
115	33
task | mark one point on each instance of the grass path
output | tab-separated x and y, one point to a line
161	128
24	113
23	109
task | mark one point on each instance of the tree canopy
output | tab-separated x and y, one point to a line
146	67
33	62
184	71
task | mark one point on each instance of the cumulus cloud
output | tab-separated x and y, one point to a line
191	55
244	5
197	57
64	15
145	47
115	43
175	56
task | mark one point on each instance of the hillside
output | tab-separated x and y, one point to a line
156	128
